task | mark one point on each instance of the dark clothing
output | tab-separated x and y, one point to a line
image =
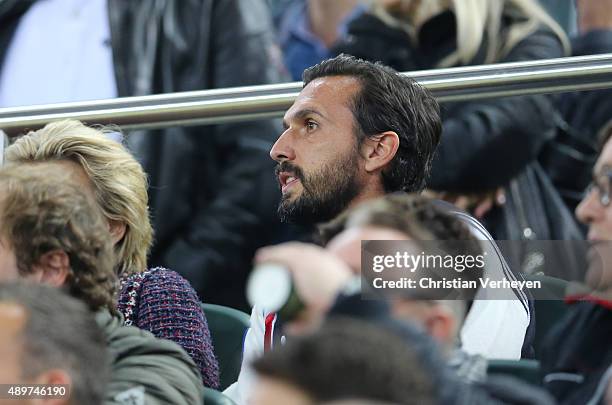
587	112
450	389
476	134
157	370
578	352
213	193
212	190
569	160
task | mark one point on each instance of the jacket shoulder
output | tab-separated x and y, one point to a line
160	369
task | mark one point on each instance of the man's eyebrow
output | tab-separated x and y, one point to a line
306	112
301	114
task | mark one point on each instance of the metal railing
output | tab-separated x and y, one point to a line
256	102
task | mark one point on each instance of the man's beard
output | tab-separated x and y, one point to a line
325	193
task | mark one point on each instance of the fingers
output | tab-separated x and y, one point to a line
284	253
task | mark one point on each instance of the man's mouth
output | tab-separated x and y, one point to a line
287	180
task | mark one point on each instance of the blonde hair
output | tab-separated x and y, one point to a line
119	182
474	18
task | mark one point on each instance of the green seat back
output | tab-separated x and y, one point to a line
214	397
549	307
227	328
526	370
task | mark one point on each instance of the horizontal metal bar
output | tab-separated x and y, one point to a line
257	102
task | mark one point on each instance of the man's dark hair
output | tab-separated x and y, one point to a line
61	333
42	210
390	101
350	359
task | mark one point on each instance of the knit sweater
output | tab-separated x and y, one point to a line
164	303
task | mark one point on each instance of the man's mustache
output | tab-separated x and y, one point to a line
289	168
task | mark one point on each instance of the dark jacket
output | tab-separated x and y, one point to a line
146	367
578	354
569	160
212	189
213	193
484	143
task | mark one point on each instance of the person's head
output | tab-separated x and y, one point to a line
105	167
417	218
595	211
357	130
47	337
52	232
343	360
477	22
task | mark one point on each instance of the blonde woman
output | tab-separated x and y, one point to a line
157	300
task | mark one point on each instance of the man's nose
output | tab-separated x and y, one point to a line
282	149
590	208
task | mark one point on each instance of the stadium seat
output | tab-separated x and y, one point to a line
526	370
214	397
549	306
227	328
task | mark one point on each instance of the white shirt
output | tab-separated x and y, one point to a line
60	52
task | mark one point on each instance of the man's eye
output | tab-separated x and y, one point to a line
311	125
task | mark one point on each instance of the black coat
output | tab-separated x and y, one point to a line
212	189
570	158
578	354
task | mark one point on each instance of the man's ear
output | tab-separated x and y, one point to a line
379	150
54	377
53	268
117	230
441	325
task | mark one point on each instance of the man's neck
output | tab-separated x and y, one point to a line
326	15
366	195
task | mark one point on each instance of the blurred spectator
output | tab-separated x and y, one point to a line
345	359
578	356
318	280
493	328
210	188
485	144
510	321
416	218
309	28
52	233
384	360
38	344
157	300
